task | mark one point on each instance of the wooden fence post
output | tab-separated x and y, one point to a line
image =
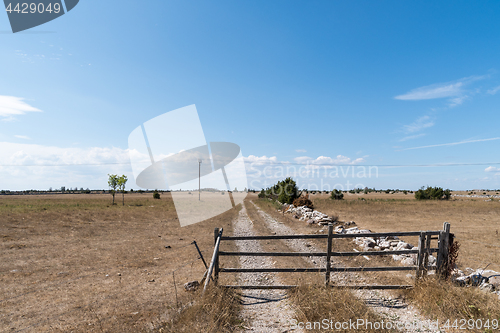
427	252
328	254
444	242
420	256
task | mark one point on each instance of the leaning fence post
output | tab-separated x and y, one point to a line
215	257
420	257
216	266
328	254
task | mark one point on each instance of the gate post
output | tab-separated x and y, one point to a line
328	254
444	243
420	257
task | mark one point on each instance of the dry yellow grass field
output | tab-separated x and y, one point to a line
474	221
77	263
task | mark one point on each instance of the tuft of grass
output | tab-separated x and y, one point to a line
439	299
314	303
216	311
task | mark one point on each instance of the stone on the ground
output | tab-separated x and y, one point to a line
191	286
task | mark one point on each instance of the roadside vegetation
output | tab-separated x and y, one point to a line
314	303
216	311
443	300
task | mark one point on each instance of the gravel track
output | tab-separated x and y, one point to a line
264	311
382	302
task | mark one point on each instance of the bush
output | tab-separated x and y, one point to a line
433	193
285	191
337	195
156	194
303	201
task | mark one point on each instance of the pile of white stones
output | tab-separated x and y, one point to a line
477	196
478	278
389	243
304	213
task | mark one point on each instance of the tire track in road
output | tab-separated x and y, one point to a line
264	311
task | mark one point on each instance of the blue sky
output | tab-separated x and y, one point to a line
353	83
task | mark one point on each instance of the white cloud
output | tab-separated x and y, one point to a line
26	166
491	169
11	106
455	90
260	160
432	92
494	90
325	160
23	137
418	125
301	150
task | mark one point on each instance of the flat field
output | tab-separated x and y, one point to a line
75	262
474	221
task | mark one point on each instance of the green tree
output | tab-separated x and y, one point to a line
432	193
121	186
156	194
113	184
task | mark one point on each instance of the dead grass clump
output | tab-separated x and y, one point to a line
303	201
314	304
216	311
439	299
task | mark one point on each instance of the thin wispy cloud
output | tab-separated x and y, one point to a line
23	137
418	125
454	90
494	90
301	150
452	143
411	137
11	106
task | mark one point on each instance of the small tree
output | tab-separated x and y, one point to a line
337	194
432	193
156	194
113	184
121	186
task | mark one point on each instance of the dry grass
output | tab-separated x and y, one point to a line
442	300
77	263
314	304
216	311
475	222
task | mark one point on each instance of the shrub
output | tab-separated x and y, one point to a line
303	201
285	191
337	194
433	193
156	194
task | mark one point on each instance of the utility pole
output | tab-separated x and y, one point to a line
199	179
